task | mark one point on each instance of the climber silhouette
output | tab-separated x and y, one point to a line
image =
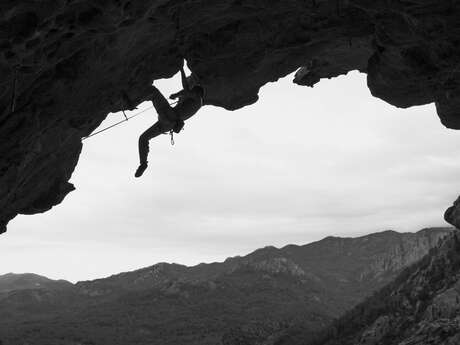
170	119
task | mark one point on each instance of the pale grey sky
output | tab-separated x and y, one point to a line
299	165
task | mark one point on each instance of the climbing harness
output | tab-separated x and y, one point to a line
120	122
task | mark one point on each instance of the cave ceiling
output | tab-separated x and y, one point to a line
65	65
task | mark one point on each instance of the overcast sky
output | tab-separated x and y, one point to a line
299	165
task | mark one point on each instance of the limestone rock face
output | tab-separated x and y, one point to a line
445	305
374	334
420	307
452	214
56	55
404	252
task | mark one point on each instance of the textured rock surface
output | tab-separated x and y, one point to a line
420	307
57	55
452	214
374	334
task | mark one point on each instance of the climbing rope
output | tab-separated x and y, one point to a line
116	124
14	87
122	121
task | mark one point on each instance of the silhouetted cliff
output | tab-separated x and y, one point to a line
56	55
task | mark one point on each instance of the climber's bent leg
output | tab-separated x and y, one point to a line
164	110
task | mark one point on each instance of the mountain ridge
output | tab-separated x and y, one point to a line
277	249
420	307
21	281
276	288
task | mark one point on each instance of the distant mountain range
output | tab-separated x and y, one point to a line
265	297
28	281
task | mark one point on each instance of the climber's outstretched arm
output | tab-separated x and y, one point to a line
185	85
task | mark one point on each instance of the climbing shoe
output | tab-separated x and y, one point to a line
140	170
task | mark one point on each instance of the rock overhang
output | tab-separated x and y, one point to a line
66	64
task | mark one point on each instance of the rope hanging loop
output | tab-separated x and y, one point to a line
171	133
